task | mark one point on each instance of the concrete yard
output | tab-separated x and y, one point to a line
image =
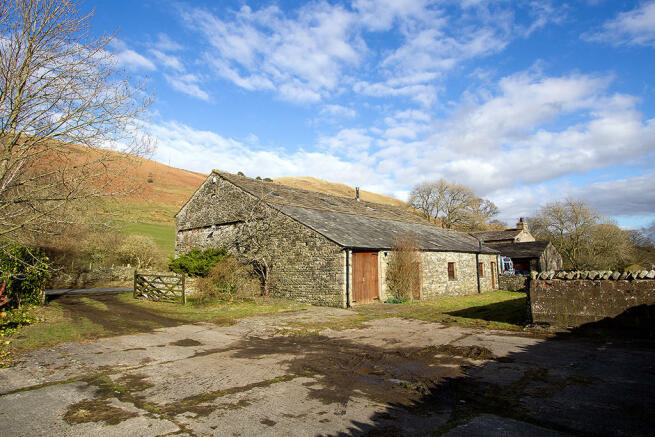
391	377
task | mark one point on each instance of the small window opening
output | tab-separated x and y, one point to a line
481	270
451	272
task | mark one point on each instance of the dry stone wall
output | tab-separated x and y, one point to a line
569	299
99	276
514	282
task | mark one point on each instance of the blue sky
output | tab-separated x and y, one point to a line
526	102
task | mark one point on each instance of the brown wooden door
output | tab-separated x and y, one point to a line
416	292
493	275
365	277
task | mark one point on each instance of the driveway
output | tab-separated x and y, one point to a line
261	376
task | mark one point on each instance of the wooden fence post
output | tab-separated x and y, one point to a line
183	289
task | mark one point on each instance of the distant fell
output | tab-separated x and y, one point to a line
337	189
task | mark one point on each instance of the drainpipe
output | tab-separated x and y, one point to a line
477	262
347	278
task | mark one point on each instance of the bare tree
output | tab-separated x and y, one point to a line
65	112
585	239
428	197
455	206
254	234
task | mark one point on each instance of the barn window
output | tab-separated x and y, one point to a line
451	272
481	270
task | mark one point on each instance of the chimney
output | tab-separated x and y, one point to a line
357	193
522	225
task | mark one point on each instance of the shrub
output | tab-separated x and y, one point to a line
226	279
404	269
397	300
197	262
139	251
25	271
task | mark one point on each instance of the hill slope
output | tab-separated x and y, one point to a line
160	191
338	189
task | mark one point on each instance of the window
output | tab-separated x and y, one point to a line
451	272
481	270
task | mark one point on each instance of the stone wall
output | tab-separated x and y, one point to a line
307	268
514	282
99	276
435	282
573	298
216	201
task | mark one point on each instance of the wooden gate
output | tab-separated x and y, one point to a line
160	287
365	277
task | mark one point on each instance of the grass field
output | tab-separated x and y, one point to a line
162	233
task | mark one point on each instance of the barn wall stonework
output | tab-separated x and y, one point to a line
213	203
308	267
435	282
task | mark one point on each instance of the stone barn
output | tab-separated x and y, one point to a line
330	250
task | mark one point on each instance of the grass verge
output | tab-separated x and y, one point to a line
492	310
92	317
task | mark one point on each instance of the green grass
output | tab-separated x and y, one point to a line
493	310
60	326
162	233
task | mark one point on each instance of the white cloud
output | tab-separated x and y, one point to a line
635	27
165	44
168	61
621	197
425	95
202	151
380	14
188	84
128	58
338	111
301	55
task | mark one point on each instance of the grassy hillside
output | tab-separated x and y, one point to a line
315	184
158	191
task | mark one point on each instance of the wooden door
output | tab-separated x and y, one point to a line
416	292
365	277
493	275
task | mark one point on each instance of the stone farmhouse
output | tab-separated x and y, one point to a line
520	246
519	234
331	250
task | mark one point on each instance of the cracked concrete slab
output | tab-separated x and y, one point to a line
391	377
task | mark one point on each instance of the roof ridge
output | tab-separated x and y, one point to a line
312	192
300	197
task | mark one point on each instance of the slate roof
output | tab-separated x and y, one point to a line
531	249
361	232
489	236
278	194
356	224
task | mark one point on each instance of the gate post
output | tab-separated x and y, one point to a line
183	289
134	290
